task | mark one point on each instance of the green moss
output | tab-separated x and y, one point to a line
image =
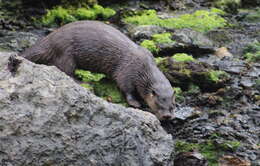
252	52
88	86
201	20
162	38
182	57
159	60
230	145
108	90
85	14
150	45
61	16
218	11
178	94
88	76
108	12
193	89
253	57
209	149
216	75
101	86
58	15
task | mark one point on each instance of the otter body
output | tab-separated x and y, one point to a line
95	46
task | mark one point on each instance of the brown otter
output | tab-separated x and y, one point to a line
95	46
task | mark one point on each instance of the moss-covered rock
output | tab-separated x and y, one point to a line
101	86
201	20
162	38
157	39
178	93
185	72
150	45
210	149
252	52
60	15
182	57
109	91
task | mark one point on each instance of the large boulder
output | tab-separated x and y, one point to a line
47	119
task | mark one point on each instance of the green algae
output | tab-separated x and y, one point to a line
182	57
88	76
200	20
60	15
162	38
109	91
216	75
102	87
211	150
150	45
252	52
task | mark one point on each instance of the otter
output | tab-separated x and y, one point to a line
98	47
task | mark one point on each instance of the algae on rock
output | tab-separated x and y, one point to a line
200	20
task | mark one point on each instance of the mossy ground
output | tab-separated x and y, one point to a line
210	149
183	70
182	57
101	86
201	20
162	38
252	52
60	15
152	45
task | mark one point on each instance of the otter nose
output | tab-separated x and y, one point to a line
167	117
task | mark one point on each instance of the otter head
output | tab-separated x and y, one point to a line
156	89
161	101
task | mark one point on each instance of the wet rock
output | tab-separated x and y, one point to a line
188	41
230	65
184	113
48	119
190	159
141	32
247	82
16	41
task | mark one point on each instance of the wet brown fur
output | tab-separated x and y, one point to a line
95	46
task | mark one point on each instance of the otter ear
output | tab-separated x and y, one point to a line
173	99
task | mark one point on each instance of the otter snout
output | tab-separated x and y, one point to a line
165	116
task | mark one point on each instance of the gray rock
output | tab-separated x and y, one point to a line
47	119
190	159
144	31
185	112
188	41
16	41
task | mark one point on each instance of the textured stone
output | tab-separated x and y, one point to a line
47	119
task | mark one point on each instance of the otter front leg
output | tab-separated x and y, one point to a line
131	100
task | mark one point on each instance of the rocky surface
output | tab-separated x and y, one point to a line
47	119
